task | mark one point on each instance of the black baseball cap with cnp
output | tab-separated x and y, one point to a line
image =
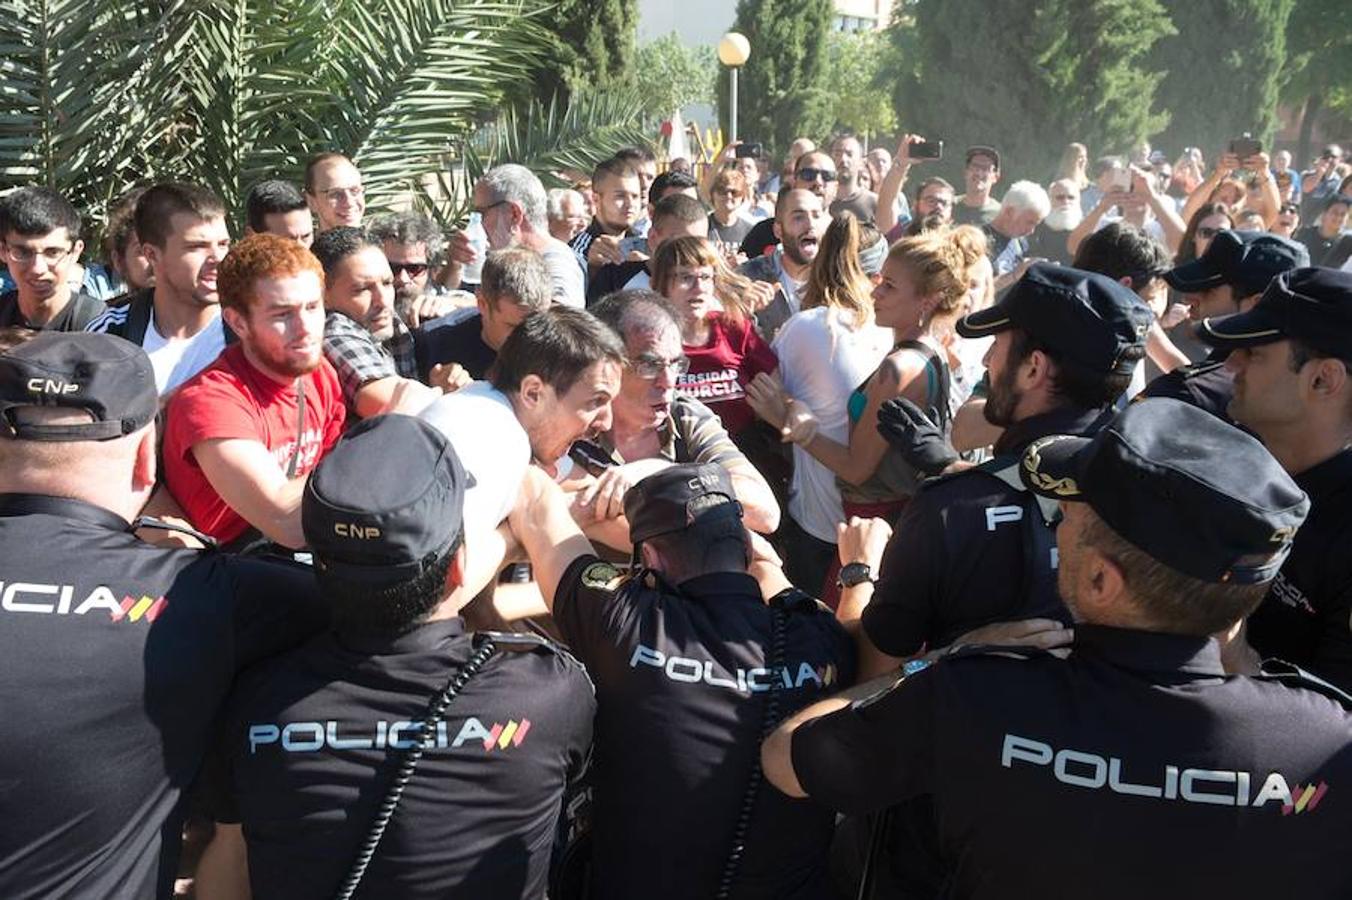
678	497
1311	305
1248	260
107	377
1191	491
1086	318
386	503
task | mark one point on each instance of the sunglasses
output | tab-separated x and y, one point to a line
816	175
412	270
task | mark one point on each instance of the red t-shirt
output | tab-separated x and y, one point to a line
721	369
232	399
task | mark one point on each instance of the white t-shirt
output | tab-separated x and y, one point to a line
565	275
176	361
822	360
492	446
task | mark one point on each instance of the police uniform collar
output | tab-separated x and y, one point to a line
63	508
1062	420
430	636
721	584
1149	651
1328	477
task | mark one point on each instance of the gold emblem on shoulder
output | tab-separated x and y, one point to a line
1032	463
601	576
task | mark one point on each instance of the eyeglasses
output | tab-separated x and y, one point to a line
649	367
336	194
693	279
481	210
816	175
412	270
24	256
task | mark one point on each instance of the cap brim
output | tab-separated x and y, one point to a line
1246	329
1192	277
1052	467
988	321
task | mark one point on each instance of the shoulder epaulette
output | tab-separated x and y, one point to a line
603	576
1291	675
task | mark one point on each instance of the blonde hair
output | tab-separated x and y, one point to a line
837	281
693	253
940	262
1066	168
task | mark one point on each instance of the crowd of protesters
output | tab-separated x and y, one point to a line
739	511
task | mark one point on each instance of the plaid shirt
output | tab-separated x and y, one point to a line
360	359
692	433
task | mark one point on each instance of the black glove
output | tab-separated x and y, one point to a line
915	436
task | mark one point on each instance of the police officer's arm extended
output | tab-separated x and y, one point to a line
542	523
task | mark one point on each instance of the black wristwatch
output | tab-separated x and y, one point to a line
854	573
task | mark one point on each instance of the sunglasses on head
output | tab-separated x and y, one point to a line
413	270
816	175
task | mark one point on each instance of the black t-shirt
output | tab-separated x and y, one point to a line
730	234
615	277
461	343
959	557
760	238
1133	769
1305	617
1314	241
1206	385
74	316
115	657
681	686
307	752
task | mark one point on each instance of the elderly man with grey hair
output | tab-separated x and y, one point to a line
512	204
412	244
1024	206
567	213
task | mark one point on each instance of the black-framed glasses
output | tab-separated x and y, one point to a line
25	256
649	367
811	174
412	270
481	210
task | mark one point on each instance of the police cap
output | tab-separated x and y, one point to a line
386	502
1084	317
678	497
1193	492
1312	305
1248	260
107	377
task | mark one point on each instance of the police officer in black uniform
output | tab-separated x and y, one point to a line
1290	358
313	739
974	548
1227	279
692	667
1134	767
115	655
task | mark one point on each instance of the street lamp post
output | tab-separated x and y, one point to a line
733	51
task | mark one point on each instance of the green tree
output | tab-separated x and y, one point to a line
671	75
1317	78
855	64
594	47
1028	80
1221	70
782	87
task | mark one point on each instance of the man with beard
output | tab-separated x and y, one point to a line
411	242
1048	241
799	223
974	547
334	191
177	321
977	206
848	156
814	172
243	434
365	340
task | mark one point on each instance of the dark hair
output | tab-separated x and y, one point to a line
1173	602
1187	248
337	244
931	182
1119	250
1301	353
631	311
407	228
121	224
612	168
269	197
670	181
517	274
35	211
1332	201
1072	382
314	163
716	545
163	201
1106	163
679	207
557	345
635	156
389	609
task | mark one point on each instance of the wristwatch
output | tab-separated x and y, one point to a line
854	573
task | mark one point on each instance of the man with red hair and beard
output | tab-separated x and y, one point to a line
242	435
